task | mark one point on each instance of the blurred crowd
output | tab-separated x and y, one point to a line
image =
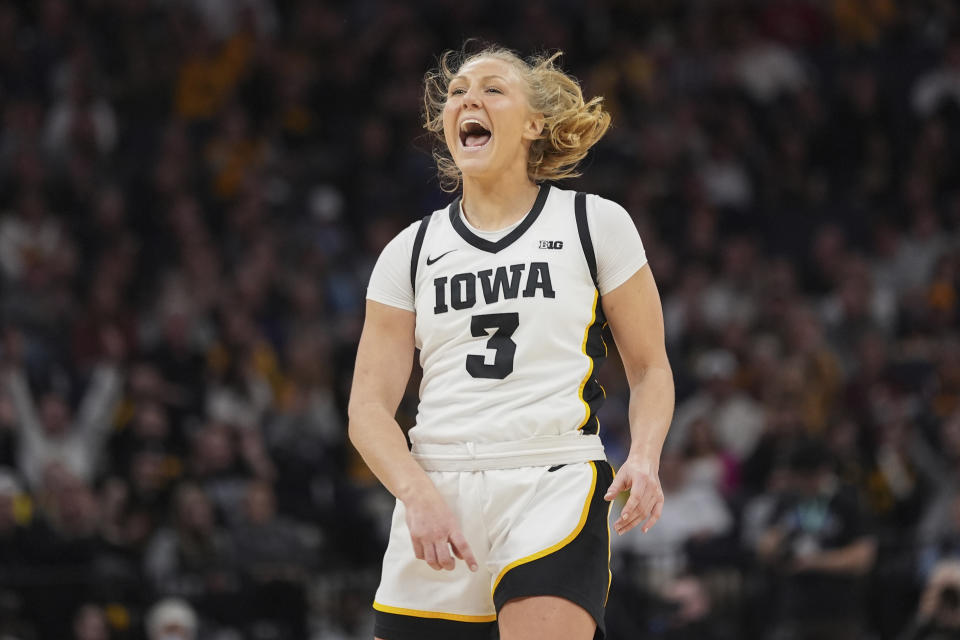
193	193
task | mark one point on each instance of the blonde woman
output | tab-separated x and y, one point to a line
503	499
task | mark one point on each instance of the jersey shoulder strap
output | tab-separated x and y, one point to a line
583	229
417	245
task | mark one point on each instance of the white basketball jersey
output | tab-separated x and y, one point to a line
509	331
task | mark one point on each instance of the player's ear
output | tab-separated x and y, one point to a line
534	127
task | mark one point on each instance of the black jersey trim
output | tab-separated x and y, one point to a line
417	246
493	247
594	347
583	229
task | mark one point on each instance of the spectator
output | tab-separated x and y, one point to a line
31	239
708	463
276	561
90	623
726	180
938	88
194	558
245	373
305	437
223	459
172	619
232	153
812	369
862	21
856	306
736	418
209	71
50	433
692	512
80	122
684	314
765	68
67	546
899	472
15	540
818	544
731	298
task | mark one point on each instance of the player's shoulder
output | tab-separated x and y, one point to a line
561	194
597	205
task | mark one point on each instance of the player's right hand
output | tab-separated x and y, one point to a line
436	535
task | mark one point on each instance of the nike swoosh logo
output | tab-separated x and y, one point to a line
430	260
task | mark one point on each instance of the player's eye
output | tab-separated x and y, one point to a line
493	90
458	91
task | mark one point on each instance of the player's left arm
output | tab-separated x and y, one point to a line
636	319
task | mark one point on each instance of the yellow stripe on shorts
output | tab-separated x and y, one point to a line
456	617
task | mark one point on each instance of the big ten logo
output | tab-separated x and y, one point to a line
551	244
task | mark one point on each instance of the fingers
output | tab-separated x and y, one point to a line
438	555
622	526
652	520
430	555
645	503
631	508
444	558
462	550
629	515
639	508
616	488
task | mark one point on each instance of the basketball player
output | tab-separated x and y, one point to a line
506	293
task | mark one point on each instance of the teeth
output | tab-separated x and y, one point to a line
463	125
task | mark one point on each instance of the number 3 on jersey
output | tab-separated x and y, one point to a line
504	348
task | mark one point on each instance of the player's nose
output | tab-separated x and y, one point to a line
472	97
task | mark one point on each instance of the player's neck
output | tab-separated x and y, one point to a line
494	205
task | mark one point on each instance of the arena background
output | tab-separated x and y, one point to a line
193	193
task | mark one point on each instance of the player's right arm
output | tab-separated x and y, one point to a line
384	362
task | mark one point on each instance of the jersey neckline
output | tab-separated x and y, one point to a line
494	246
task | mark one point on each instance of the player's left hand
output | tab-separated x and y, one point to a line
641	478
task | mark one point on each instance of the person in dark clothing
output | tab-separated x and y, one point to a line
276	561
819	549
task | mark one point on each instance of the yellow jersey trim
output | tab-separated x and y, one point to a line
573	534
456	617
583	350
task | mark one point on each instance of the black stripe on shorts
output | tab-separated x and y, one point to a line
394	626
579	571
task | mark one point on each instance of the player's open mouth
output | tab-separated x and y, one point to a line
474	135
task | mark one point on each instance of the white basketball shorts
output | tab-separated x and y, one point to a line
534	531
